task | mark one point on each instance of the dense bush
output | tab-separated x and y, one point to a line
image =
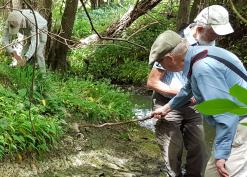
16	131
94	101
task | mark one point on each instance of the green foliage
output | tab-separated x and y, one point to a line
100	19
132	71
16	133
239	48
220	106
55	99
57	12
96	101
240	93
118	61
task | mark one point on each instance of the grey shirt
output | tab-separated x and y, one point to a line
28	28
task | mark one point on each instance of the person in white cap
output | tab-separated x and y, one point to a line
179	125
23	22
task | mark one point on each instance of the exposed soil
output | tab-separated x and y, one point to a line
126	151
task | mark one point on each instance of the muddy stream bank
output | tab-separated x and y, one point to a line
122	151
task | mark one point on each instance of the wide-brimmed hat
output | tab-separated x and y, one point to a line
217	17
163	44
14	21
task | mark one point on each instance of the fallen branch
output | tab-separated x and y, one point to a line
146	26
108	38
112	124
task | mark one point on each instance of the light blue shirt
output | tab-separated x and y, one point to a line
175	80
211	79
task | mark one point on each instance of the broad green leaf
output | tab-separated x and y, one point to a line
219	106
245	124
22	92
239	111
239	92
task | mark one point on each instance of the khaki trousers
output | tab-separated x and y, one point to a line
181	128
237	162
40	50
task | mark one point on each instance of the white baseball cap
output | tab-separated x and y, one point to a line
217	17
14	21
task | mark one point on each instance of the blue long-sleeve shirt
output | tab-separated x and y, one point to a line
211	79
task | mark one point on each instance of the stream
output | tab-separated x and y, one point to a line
144	109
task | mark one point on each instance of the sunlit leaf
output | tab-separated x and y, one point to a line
19	157
43	102
22	92
245	124
220	106
239	92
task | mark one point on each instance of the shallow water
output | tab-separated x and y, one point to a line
143	108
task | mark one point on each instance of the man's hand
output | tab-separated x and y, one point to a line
162	111
220	166
20	61
192	101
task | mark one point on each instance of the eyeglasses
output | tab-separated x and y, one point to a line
12	26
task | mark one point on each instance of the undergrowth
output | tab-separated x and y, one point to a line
56	100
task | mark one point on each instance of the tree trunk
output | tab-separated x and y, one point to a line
93	4
183	14
100	3
130	16
46	12
33	3
57	56
17	4
4	12
195	9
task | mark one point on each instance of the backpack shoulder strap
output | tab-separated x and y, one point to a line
231	66
196	58
228	64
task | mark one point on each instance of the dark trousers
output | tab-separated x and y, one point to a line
181	128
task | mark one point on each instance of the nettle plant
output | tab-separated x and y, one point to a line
220	106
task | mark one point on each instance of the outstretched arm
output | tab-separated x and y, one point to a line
155	83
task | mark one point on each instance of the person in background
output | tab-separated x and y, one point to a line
23	22
183	126
208	77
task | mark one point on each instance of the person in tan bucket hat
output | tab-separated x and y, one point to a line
166	84
23	21
211	71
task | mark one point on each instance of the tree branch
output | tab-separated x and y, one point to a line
237	13
113	124
4	6
107	38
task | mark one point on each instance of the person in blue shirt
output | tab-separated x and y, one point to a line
185	127
206	79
